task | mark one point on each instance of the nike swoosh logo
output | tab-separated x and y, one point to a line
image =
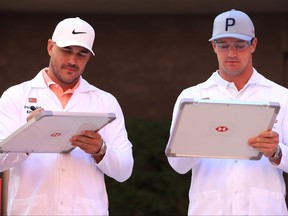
75	32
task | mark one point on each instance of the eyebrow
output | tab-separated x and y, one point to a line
225	41
82	50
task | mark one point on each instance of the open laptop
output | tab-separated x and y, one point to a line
219	129
50	132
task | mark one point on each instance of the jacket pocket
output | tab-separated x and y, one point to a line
36	205
84	206
206	203
263	202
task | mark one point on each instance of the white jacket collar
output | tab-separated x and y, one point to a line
255	79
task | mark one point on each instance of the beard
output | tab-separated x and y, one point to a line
60	76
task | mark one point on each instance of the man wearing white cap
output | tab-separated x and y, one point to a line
238	187
73	183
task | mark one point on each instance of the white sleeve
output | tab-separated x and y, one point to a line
118	160
10	121
180	164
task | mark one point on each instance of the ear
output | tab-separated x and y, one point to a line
50	46
213	46
254	45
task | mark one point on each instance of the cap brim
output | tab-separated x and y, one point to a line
67	43
231	35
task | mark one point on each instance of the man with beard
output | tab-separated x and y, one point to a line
73	183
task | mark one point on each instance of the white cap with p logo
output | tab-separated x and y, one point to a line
234	24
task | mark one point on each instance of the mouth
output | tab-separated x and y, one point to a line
71	68
231	61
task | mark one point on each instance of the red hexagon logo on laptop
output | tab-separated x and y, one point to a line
221	129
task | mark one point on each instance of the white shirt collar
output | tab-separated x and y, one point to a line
216	79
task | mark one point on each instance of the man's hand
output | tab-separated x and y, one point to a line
266	142
88	141
33	113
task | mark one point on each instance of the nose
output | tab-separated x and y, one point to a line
72	59
232	51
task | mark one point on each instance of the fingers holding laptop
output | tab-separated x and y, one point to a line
34	112
89	141
266	142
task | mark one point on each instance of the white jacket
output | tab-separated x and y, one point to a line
237	187
55	184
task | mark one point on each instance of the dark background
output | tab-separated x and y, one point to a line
145	56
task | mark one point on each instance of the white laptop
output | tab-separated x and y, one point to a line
219	129
50	132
